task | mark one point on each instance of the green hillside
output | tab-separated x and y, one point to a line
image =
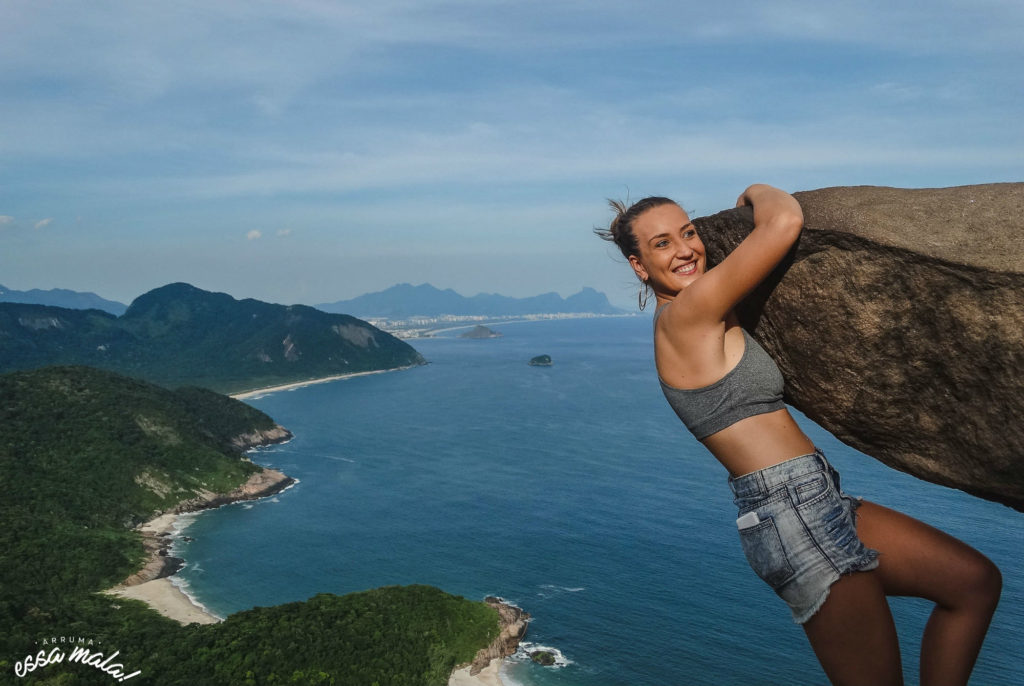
179	334
84	455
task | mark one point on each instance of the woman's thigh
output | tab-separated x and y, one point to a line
922	561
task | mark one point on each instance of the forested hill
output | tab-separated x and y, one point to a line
84	455
179	334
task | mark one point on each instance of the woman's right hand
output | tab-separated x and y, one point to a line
771	204
745	197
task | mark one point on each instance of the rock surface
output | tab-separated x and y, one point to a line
898	323
261	437
513	628
261	484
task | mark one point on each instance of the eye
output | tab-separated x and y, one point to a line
662	243
689	233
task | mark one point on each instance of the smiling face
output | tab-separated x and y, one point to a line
671	254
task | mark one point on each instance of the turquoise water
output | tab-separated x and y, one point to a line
571	491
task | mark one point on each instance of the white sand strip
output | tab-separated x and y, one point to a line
310	382
167	599
488	676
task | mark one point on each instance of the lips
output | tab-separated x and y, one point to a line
686	269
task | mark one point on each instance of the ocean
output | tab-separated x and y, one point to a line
571	491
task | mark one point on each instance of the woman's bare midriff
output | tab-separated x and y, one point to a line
758	442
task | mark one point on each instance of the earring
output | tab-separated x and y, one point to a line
641	297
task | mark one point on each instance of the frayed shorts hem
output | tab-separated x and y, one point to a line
801	616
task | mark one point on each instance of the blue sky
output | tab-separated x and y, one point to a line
305	152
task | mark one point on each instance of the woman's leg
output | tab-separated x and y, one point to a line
853	635
921	561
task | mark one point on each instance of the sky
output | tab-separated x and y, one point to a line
308	151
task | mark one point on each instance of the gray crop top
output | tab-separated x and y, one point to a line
754	386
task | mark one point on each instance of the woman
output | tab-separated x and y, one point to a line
799	531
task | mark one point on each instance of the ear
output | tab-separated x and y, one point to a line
638	268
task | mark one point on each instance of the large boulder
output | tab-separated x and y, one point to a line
898	323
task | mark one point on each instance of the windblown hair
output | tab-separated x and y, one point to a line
620	231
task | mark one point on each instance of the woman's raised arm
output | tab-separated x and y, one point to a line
778	220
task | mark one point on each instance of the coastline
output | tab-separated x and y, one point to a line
242	395
485	669
428	333
488	676
152	583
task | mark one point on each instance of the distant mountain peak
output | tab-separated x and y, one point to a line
178	334
404	301
62	297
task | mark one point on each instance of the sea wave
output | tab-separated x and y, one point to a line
182	585
552	589
309	454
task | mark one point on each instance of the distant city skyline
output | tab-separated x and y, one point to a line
317	151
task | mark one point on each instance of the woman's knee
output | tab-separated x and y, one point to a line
919	560
982	583
976	583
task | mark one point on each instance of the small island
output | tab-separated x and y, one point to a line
541	361
543	657
480	331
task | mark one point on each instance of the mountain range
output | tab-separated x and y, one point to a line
62	297
181	335
405	300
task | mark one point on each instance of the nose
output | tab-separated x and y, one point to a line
684	250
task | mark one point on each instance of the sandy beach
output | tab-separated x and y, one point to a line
299	384
488	676
160	593
167	599
151	584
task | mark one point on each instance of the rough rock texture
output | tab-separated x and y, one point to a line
261	484
261	437
898	323
513	628
158	562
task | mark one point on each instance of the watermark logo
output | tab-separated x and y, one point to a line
73	649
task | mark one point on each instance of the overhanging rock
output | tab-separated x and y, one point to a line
898	323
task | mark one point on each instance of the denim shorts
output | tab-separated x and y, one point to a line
798	530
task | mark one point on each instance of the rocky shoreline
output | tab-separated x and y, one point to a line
513	622
157	531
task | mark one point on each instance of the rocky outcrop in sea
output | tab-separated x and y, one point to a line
898	323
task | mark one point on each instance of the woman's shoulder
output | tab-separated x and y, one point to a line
678	328
683	316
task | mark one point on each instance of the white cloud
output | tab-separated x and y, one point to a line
5	219
43	223
254	234
284	232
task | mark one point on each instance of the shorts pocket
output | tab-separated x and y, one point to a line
810	487
763	548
